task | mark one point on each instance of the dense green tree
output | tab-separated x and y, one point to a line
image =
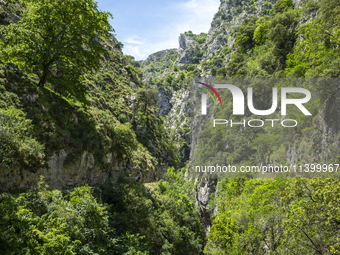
316	53
261	31
312	222
165	214
58	40
276	216
245	34
42	221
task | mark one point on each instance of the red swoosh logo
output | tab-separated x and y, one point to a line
213	90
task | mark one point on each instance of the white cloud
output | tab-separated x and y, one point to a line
194	15
197	15
142	51
135	51
134	40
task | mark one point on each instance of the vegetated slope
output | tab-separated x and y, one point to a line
260	39
117	134
297	39
253	216
200	55
119	129
290	43
284	215
279	216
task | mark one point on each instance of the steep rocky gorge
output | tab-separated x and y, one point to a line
220	39
135	154
213	54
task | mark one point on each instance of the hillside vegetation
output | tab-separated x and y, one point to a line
108	112
283	40
98	102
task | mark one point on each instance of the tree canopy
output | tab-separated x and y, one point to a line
58	40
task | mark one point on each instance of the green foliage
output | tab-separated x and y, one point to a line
60	123
121	120
283	5
317	54
72	223
222	72
150	130
261	31
134	72
263	45
58	41
168	79
280	216
158	62
313	216
201	38
213	63
125	139
190	67
131	60
283	36
245	34
164	214
17	144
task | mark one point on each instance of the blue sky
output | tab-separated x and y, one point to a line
145	27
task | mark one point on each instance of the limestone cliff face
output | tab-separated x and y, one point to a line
203	190
175	106
221	38
57	174
164	101
325	139
222	32
186	50
161	61
179	108
60	174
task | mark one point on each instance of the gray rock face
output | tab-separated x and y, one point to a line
59	174
186	54
182	41
180	107
164	101
296	2
224	24
203	190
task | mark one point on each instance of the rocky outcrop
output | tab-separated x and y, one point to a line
164	101
180	107
203	190
185	51
61	174
296	2
161	60
57	173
